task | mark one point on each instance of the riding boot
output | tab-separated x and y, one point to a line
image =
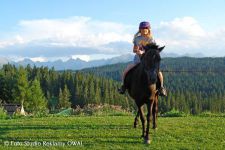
122	89
162	91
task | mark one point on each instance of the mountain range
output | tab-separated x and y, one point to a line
77	64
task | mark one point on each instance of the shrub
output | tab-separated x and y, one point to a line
174	113
3	113
40	113
210	114
101	110
78	111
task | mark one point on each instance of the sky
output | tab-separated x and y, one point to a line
46	30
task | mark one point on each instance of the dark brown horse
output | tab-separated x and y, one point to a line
141	82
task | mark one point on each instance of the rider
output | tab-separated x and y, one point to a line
142	38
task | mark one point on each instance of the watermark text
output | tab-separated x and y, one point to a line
42	143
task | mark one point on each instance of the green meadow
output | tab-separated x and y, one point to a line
111	132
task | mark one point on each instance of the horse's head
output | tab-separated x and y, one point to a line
151	60
151	57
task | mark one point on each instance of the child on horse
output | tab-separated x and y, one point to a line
141	39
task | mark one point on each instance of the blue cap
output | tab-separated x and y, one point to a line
144	25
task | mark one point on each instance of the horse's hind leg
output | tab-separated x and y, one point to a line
142	116
155	113
136	119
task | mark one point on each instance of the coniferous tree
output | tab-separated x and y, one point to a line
91	92
8	82
97	95
21	90
193	92
64	98
36	100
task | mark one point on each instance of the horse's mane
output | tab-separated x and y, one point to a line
151	46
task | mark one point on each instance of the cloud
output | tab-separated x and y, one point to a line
44	39
74	32
186	35
10	42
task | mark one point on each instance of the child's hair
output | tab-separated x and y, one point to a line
139	34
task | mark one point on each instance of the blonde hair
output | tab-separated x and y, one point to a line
150	36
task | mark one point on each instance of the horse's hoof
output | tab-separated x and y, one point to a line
147	141
135	126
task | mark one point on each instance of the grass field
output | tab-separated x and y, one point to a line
111	132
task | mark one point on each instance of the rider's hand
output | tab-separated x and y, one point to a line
139	52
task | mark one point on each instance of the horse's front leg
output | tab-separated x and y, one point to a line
149	114
142	116
136	119
155	113
150	103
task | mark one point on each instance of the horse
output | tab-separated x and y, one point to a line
141	83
